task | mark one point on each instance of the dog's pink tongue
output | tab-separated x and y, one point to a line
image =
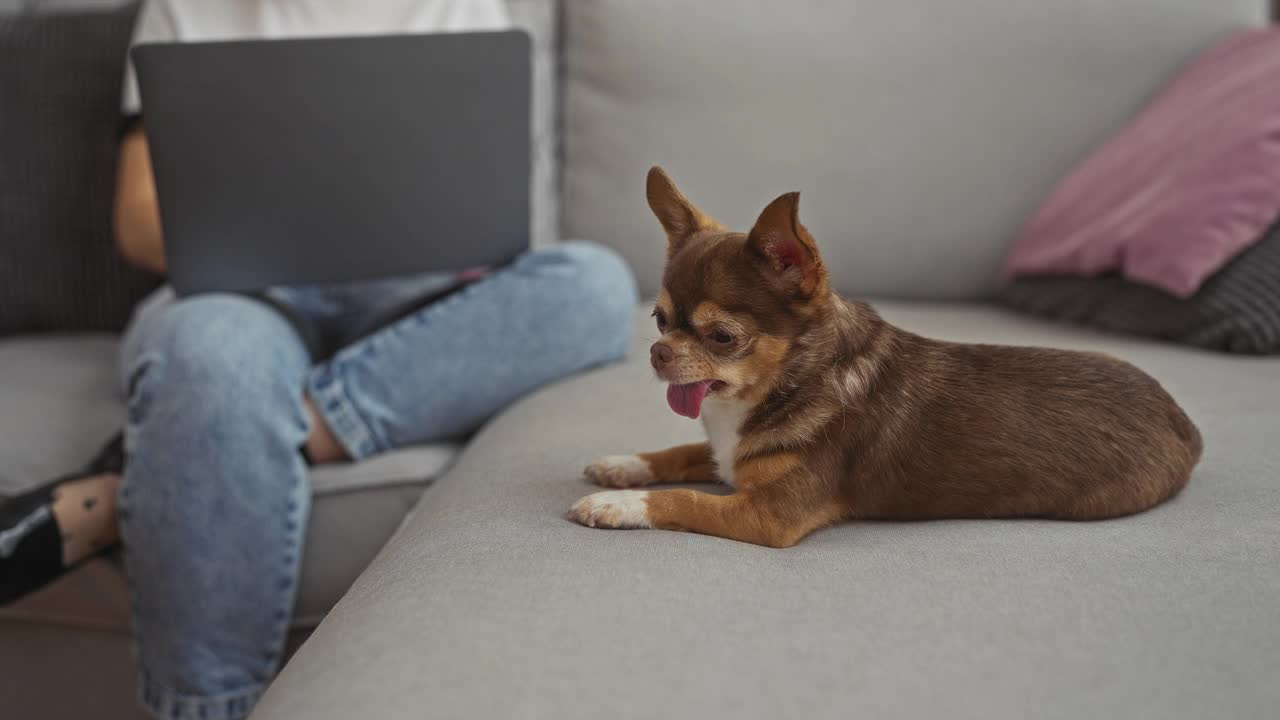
687	399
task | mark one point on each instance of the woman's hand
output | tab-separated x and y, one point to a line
137	213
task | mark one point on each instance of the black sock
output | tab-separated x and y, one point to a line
34	557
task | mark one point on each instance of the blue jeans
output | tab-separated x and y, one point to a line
215	497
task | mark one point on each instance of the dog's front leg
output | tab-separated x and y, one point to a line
683	463
776	512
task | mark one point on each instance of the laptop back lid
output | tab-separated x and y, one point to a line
326	160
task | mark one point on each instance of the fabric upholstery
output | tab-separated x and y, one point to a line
921	134
59	87
59	402
1237	310
489	603
1177	193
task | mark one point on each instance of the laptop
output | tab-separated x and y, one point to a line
331	160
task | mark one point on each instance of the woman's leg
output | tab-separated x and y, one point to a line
51	528
443	370
214	500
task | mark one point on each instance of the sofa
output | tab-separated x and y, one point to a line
446	582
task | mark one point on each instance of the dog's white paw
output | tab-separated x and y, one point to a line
620	471
613	509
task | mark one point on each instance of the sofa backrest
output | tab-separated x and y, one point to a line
921	133
540	19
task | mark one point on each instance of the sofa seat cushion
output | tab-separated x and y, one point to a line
59	400
489	603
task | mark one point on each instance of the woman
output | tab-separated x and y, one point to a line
231	397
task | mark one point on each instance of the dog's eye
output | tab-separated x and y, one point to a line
662	320
721	337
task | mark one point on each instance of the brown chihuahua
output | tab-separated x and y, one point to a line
818	411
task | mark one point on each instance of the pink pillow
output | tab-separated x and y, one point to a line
1185	187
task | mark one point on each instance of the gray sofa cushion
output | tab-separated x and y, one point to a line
60	402
59	127
488	603
922	133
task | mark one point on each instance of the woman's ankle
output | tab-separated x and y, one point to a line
322	446
85	510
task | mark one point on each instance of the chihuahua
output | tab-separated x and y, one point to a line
818	411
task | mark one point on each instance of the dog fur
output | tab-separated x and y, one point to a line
822	412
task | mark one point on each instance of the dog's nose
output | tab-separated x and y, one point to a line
660	354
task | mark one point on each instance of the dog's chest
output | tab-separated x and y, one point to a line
722	419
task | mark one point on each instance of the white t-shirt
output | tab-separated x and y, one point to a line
196	20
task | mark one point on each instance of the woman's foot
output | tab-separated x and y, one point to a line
52	528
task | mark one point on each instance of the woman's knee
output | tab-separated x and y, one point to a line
214	347
604	294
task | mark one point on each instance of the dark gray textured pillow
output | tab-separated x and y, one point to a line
60	77
1237	310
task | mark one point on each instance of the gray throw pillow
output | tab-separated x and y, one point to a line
60	77
1237	310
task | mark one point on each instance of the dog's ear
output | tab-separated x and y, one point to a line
679	217
787	248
